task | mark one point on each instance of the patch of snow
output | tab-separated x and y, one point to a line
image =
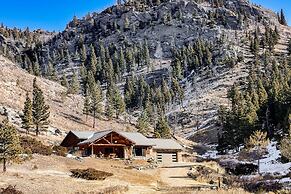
271	163
70	156
211	153
285	180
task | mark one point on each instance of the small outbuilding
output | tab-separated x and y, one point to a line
167	150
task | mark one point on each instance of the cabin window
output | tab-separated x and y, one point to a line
139	151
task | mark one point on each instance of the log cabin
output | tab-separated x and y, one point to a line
125	145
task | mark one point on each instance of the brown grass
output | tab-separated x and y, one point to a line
52	175
66	111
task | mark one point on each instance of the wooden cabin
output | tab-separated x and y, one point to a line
126	145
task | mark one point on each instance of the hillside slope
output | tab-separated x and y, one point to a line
66	111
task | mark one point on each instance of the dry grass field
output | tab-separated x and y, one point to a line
51	175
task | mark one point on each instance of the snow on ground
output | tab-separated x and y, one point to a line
211	153
271	162
285	180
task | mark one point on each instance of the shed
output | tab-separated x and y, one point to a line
167	150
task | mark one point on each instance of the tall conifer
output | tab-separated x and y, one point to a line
27	120
40	110
9	143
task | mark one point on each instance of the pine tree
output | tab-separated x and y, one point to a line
121	61
126	23
129	60
87	106
9	143
257	142
140	92
36	69
27	120
283	20
51	73
93	60
28	64
40	110
149	109
115	100
119	104
159	100
108	105
95	101
143	123
146	55
83	53
90	82
75	84
250	112
208	56
99	69
263	96
162	129
177	69
109	72
177	90
166	91
129	93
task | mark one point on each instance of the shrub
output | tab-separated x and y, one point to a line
60	151
33	146
90	174
241	168
10	190
35	167
285	148
254	186
246	169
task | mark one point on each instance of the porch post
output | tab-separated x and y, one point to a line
92	150
125	152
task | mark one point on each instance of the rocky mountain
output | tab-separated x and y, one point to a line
223	31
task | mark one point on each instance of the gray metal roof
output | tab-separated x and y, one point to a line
83	134
165	144
95	136
137	138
